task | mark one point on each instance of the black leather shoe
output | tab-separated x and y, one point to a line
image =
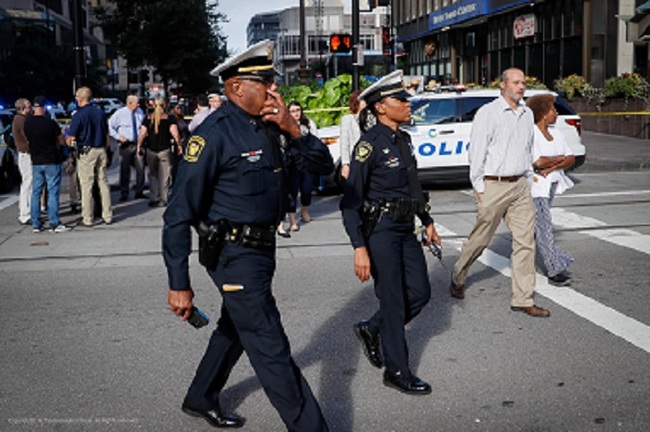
457	291
560	280
215	417
370	343
410	385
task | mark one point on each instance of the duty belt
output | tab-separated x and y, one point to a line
400	209
251	236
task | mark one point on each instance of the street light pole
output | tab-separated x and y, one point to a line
355	44
78	34
303	72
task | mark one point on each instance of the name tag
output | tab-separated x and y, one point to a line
253	155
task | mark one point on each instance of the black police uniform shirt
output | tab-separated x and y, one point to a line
227	172
377	172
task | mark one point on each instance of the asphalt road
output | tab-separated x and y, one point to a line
89	344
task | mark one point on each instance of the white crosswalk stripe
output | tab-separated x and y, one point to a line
603	316
622	237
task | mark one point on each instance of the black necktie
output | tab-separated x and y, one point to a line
414	183
278	169
133	125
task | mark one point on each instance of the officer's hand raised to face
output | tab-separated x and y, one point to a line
276	111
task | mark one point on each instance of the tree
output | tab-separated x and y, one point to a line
182	40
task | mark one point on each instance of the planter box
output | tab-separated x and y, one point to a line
615	117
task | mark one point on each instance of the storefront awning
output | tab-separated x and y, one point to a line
645	7
466	10
641	12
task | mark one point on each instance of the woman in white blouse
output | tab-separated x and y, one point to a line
350	131
551	156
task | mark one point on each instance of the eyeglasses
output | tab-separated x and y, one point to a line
266	80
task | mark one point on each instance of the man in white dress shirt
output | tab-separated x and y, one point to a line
500	157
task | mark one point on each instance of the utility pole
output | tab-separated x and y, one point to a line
355	44
303	72
393	38
79	53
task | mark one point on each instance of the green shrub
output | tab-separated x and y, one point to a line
327	104
570	86
624	85
531	83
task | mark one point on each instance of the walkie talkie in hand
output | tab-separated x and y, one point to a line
198	319
436	251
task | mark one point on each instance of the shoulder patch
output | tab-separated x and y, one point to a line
194	148
363	151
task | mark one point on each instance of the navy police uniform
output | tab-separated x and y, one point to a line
229	174
378	177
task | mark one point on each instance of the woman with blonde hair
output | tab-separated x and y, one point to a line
157	134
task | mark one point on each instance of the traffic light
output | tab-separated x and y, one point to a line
386	40
340	43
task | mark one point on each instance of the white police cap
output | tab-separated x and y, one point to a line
389	85
256	60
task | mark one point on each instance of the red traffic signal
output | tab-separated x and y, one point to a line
340	43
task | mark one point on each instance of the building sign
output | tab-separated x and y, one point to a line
465	10
458	12
524	26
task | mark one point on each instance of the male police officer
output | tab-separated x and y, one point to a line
232	179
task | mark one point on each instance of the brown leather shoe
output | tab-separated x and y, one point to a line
535	311
457	291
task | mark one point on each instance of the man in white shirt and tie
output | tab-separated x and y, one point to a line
123	126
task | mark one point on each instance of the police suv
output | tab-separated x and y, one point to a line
441	125
442	122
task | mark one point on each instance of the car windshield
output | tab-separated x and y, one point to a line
440	111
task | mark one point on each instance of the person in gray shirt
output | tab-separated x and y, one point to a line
203	110
123	127
500	157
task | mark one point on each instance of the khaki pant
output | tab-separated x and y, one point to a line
91	167
511	202
160	167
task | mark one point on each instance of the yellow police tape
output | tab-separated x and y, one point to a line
604	114
316	110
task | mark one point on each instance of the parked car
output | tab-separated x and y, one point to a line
442	122
331	135
109	105
440	130
9	173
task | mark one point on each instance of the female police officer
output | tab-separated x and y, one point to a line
231	179
383	191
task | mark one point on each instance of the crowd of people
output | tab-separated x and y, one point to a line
147	139
247	164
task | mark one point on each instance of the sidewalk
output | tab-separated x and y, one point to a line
614	153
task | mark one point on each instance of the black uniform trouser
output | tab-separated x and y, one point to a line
401	285
129	157
250	321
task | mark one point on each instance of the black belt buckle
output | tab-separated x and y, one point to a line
256	237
